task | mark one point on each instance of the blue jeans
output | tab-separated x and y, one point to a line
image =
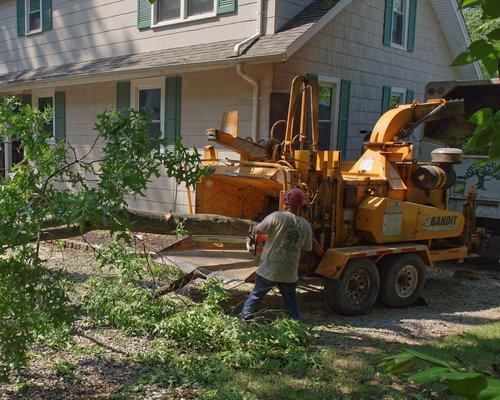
262	287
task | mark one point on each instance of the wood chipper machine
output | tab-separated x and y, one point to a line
377	221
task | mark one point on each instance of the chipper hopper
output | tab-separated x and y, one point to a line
377	221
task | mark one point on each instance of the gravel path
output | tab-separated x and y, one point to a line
451	304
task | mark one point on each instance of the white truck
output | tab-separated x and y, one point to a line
474	171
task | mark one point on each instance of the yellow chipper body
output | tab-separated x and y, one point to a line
377	221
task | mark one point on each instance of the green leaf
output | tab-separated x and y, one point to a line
463	58
491	64
494	34
481	116
430	359
481	48
490	9
470	3
429	375
474	387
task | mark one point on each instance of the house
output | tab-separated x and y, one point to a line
188	61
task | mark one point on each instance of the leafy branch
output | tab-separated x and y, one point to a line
485	49
472	385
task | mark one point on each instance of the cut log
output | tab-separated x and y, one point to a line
160	223
195	224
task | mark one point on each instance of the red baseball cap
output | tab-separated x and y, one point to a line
294	198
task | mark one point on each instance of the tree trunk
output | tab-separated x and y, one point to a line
163	224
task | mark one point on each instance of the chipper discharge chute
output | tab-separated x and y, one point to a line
377	222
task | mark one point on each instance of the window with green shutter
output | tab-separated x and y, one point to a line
33	16
169	12
400	24
394	96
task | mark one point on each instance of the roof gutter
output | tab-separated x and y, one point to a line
259	15
79	79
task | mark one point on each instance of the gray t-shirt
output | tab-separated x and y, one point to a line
287	235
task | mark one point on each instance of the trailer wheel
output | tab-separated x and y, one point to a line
402	279
356	289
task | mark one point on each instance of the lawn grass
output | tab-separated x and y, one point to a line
357	376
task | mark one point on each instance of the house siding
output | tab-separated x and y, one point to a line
351	47
95	29
205	97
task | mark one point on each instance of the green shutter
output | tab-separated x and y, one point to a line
412	23
409	96
389	4
21	18
46	15
345	96
226	6
143	14
386	98
172	126
60	116
122	95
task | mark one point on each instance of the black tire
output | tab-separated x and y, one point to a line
356	289
402	278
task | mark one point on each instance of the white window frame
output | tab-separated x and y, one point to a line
406	21
38	94
397	91
334	82
184	17
145	84
27	18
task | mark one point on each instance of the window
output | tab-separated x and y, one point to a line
150	102
328	111
400	22
148	95
43	104
397	97
33	16
175	11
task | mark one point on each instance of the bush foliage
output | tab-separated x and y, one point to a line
50	186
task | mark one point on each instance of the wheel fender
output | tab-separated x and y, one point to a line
333	262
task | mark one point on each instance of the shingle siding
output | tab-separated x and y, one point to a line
93	29
205	97
351	47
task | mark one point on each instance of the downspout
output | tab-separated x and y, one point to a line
255	101
238	48
259	15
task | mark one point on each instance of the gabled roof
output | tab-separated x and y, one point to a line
270	48
457	36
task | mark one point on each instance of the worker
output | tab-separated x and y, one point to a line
287	234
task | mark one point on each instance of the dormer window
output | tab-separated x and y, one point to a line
174	11
33	16
400	22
